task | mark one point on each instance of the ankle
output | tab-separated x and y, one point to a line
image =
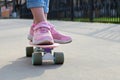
37	22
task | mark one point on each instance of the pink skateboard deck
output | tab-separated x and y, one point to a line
45	46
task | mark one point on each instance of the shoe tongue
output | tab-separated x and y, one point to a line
42	25
44	29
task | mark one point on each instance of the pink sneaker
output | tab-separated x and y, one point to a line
42	34
58	37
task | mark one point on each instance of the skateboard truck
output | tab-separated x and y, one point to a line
44	53
47	53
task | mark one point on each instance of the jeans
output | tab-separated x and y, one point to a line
38	3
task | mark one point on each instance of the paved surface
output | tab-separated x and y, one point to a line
94	53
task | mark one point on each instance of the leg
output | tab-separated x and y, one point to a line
38	15
37	9
41	30
58	37
43	13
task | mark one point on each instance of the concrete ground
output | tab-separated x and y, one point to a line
94	53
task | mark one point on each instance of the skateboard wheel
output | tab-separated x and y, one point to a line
37	58
29	51
58	57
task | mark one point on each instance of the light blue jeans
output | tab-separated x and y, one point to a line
38	3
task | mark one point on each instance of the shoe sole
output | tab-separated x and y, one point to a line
48	42
62	42
43	43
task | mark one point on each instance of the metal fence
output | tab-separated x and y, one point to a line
86	10
78	10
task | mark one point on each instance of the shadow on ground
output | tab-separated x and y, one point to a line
22	69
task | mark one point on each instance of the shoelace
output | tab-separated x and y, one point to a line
42	30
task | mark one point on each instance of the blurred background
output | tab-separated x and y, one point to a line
107	11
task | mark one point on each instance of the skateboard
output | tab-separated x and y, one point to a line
42	53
